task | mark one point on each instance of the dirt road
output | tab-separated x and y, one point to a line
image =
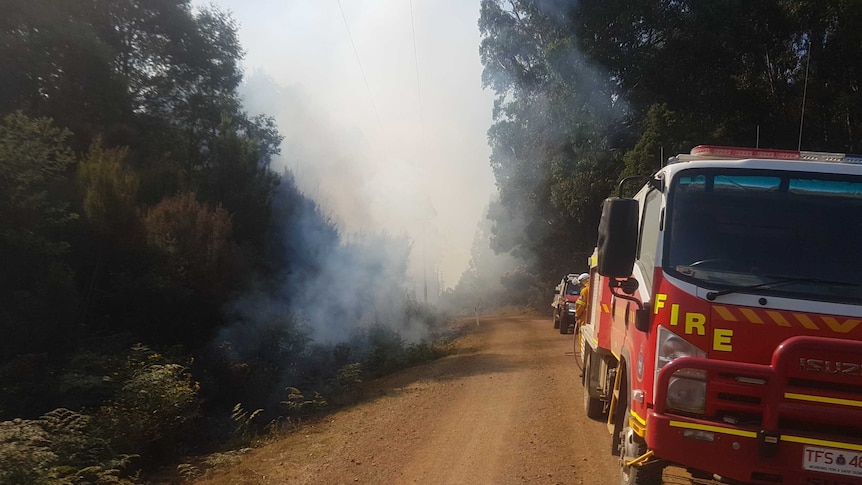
505	408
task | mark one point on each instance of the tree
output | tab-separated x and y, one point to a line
37	297
116	257
665	133
750	86
557	125
196	242
239	177
110	192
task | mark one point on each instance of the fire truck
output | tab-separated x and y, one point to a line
566	294
724	328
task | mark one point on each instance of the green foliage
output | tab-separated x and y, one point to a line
556	123
421	352
238	175
36	292
110	192
33	158
155	407
25	451
297	405
386	350
350	377
254	358
56	63
245	425
60	447
757	73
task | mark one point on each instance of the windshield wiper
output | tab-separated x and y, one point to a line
779	281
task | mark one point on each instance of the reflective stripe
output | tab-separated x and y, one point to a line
750	315
784	437
823	399
806	321
724	313
830	444
778	318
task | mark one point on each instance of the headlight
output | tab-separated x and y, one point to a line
571	307
687	388
688	395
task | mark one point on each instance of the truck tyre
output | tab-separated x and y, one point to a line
564	325
556	321
631	446
593	406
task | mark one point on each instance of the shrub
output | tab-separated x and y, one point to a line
297	405
155	407
58	448
25	452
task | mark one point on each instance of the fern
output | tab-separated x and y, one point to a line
25	452
245	423
297	404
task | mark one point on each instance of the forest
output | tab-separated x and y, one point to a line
164	291
162	286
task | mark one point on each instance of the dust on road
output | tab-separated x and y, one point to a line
505	408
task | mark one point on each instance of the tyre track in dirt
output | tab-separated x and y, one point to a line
504	408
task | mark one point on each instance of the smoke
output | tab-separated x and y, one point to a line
480	288
385	159
330	284
386	128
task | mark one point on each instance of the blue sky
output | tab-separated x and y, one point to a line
373	155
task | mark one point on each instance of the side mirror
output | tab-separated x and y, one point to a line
618	237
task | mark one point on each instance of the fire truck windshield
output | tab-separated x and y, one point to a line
793	234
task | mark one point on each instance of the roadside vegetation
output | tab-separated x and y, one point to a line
165	292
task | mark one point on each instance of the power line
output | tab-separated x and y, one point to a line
424	150
416	64
359	62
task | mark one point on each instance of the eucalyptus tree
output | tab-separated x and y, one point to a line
557	124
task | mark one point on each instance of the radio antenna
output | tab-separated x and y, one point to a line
804	94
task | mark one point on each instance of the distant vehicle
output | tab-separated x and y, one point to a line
566	294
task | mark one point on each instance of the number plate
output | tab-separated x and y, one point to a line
831	460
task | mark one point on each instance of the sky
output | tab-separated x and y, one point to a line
388	133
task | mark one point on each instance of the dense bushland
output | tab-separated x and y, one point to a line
164	291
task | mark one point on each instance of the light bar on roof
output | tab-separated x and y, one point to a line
830	157
739	152
714	151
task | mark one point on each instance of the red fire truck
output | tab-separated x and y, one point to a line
724	328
